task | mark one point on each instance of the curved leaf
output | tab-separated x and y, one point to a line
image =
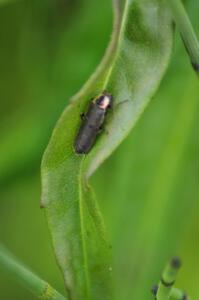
131	70
145	46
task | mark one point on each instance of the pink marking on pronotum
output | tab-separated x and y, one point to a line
105	102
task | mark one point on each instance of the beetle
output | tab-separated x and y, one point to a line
92	122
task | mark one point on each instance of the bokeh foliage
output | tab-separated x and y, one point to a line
148	189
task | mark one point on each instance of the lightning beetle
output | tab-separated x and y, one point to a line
92	122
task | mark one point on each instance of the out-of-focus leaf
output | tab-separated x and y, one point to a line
6	1
131	70
151	201
35	70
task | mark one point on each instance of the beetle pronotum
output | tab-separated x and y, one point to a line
92	122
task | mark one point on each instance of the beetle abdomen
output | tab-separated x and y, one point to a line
89	129
85	139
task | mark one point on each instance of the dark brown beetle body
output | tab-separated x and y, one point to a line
92	122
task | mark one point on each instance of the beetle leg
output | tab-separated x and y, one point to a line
104	129
83	117
101	128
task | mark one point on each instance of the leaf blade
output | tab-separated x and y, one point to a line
77	230
136	82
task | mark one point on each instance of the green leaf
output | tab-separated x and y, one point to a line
131	70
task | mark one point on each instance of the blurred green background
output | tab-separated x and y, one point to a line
148	189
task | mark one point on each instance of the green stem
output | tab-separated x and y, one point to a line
168	279
187	32
32	282
175	294
165	289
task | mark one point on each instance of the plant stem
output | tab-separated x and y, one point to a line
168	279
32	282
187	32
175	294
